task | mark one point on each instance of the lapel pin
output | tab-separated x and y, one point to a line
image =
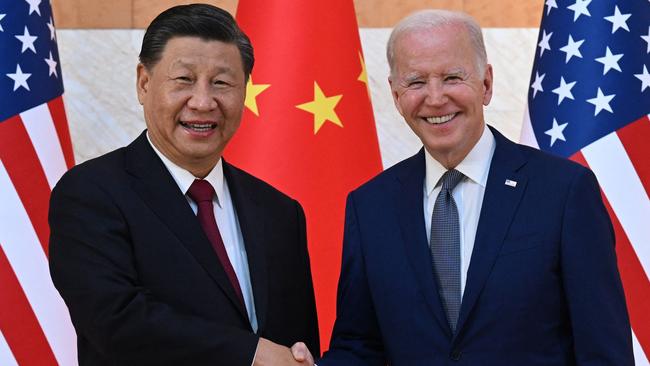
511	183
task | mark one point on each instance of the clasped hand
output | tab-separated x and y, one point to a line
273	354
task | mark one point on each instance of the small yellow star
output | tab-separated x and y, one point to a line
363	77
252	91
322	108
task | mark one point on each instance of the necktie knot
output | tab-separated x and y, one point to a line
200	191
450	179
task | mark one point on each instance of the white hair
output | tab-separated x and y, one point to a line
433	18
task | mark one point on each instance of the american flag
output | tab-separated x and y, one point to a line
35	150
589	100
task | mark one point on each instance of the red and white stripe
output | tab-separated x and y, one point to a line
35	151
6	356
621	162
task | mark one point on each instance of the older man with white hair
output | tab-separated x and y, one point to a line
475	251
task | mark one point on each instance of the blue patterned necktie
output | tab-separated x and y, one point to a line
445	246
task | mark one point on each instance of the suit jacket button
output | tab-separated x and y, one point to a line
455	355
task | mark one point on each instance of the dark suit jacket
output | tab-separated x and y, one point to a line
142	282
542	287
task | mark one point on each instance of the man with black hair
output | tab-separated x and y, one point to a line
166	254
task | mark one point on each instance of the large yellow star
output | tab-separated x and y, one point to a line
363	77
252	91
322	108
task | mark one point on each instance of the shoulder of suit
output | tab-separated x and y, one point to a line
538	159
391	175
534	157
105	167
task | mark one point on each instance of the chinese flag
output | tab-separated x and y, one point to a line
308	127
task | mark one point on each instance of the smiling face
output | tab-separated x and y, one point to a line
438	89
193	99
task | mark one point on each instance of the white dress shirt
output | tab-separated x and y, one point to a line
226	217
468	194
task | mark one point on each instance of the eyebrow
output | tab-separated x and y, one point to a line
190	65
180	63
456	72
411	77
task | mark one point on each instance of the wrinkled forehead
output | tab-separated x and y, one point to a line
193	51
440	42
447	43
427	34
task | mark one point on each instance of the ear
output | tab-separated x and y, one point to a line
142	82
395	95
487	84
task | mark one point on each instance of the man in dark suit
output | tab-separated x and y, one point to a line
476	251
166	254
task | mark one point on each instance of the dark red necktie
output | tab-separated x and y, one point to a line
201	191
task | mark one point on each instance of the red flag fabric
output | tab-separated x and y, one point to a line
308	126
35	150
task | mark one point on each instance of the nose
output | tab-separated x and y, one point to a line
436	94
203	98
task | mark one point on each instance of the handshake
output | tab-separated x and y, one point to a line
271	354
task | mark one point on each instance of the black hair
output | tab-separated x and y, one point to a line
195	20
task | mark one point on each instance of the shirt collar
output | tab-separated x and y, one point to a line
184	178
475	166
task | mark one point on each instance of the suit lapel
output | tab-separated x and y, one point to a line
252	225
410	210
155	185
500	203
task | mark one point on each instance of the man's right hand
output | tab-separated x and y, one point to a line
272	354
